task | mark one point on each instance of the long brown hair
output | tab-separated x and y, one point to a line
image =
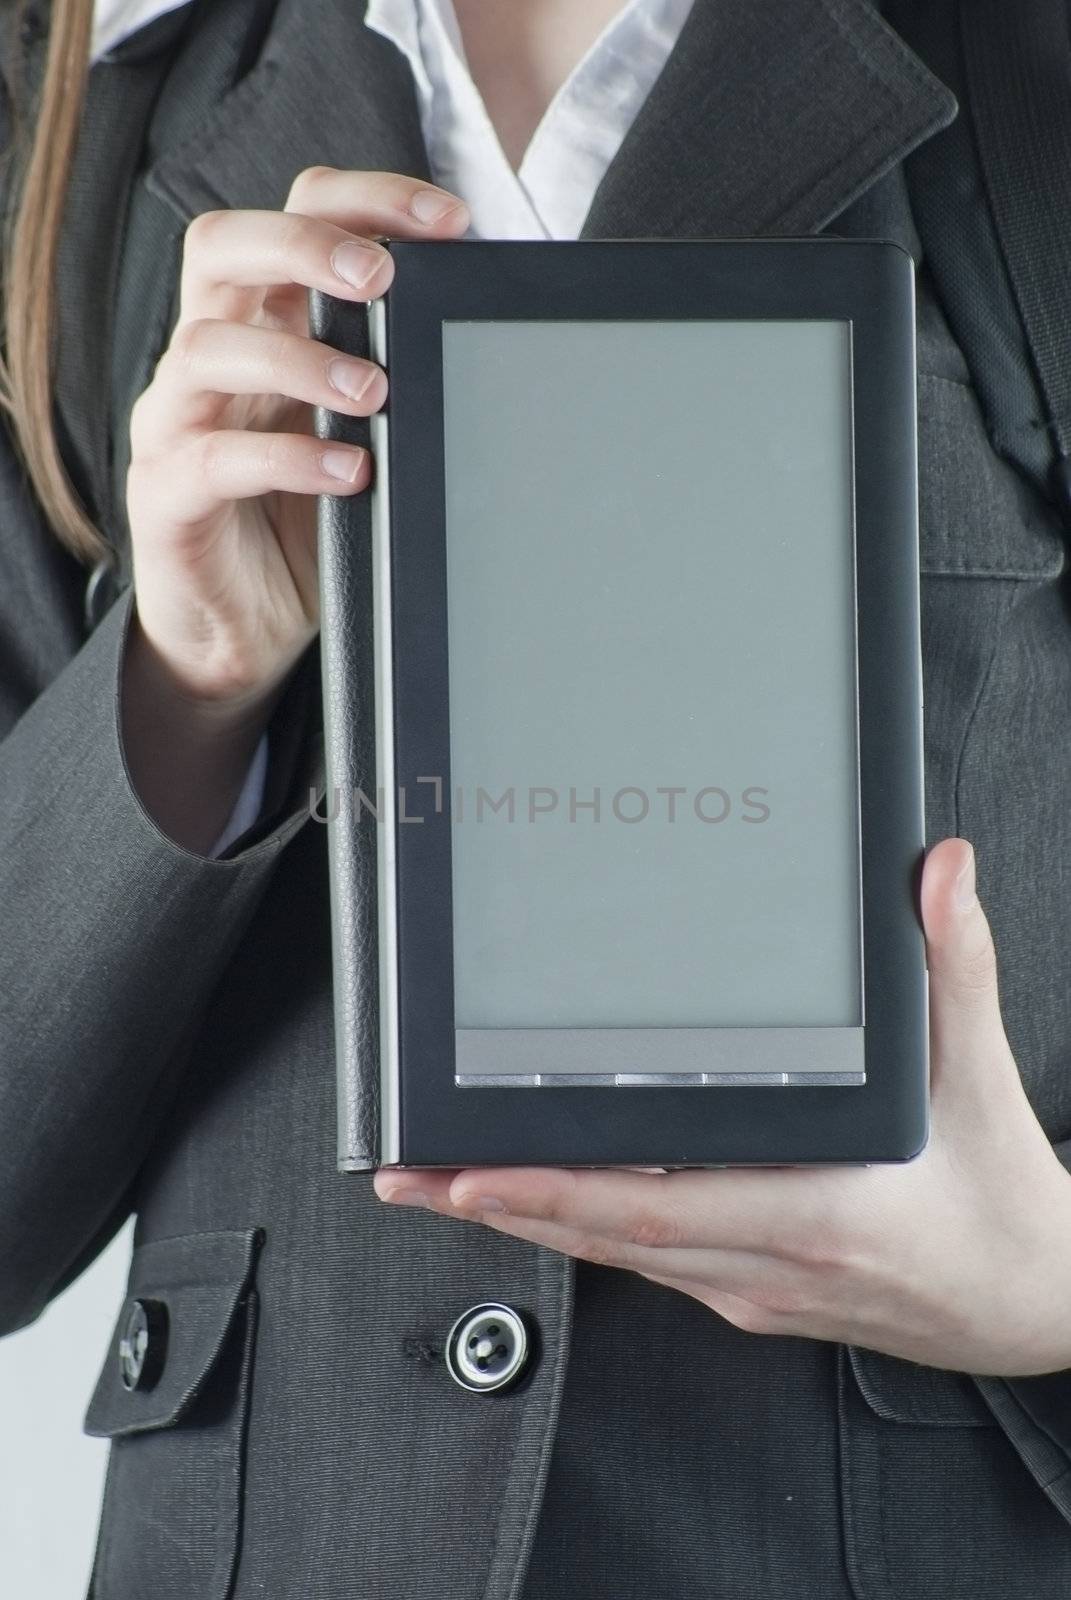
43	141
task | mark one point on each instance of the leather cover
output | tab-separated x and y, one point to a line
347	654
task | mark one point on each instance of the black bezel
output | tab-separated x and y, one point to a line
871	285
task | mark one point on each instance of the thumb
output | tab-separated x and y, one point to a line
966	1028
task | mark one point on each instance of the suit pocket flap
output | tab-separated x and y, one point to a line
978	516
182	1298
904	1391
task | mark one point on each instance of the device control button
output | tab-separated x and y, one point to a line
143	1345
488	1349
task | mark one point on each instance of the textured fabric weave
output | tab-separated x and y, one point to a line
165	1021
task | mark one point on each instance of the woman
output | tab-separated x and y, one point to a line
734	1383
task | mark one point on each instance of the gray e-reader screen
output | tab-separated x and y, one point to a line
653	708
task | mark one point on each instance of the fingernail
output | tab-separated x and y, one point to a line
355	264
478	1202
965	888
406	1197
351	378
342	464
427	205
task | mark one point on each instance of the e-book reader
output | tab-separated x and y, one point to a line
647	796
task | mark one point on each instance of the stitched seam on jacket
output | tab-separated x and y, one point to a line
1039	1427
908	61
247	92
549	1434
972	717
548	1441
856	1557
941	377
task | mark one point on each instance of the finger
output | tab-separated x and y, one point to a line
217	468
966	1028
320	240
738	1272
771	1213
432	1187
209	362
394	203
415	1186
231	257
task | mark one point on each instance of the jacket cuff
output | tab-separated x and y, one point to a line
294	773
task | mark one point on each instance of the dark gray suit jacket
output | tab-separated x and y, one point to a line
165	1021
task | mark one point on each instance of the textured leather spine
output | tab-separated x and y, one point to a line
348	659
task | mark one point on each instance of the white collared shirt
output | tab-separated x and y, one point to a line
577	137
550	194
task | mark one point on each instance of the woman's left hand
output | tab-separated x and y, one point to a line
960	1258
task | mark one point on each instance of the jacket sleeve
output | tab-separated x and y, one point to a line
112	937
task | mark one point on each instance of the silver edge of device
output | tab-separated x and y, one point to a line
386	787
656	1080
856	696
920	732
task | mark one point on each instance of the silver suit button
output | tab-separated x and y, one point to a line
488	1348
142	1345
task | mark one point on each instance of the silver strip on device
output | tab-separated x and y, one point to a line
854	501
658	1057
386	787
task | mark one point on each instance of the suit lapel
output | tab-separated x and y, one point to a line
325	91
737	136
117	104
743	136
121	93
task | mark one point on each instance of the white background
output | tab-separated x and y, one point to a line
51	1475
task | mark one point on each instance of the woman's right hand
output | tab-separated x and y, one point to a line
225	469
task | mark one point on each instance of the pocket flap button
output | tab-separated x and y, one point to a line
142	1345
